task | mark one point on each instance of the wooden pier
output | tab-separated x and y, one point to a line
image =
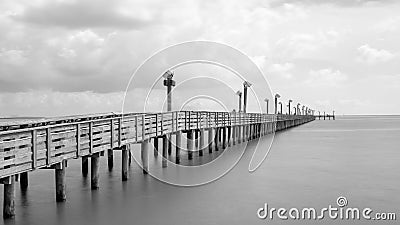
50	143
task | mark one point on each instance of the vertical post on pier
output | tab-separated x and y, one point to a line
210	140
229	135
190	146
233	129
110	159
217	137
202	143
125	173
23	180
60	182
155	139
169	137
85	165
164	152
9	197
144	150
224	137
178	146
94	172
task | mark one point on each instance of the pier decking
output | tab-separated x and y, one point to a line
50	143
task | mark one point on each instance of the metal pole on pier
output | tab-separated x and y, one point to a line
267	101
246	85
239	93
276	103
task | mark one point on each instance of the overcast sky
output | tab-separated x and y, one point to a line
61	57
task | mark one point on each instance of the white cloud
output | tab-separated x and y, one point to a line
325	77
372	55
388	25
281	69
301	45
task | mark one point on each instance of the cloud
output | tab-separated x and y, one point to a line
388	25
325	78
301	45
372	55
345	3
84	14
281	69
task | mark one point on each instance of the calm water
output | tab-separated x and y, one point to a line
308	166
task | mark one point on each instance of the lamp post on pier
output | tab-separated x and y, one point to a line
298	109
290	100
280	103
276	103
246	85
169	83
267	101
239	93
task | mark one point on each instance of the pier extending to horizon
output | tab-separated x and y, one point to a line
50	143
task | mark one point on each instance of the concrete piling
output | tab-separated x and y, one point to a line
23	180
201	142
60	182
124	163
164	151
9	198
94	172
178	146
110	159
190	143
85	165
144	150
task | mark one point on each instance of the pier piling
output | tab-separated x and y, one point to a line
24	180
60	182
190	146
145	155
110	159
9	197
94	172
178	147
164	151
85	165
124	153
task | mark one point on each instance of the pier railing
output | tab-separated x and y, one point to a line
25	146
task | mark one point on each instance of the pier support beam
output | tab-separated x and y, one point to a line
178	147
110	159
210	140
85	165
125	162
155	141
190	146
224	137
94	172
145	155
201	142
23	180
60	182
216	138
8	197
169	137
164	151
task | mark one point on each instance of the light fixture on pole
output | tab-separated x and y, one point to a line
246	85
298	109
280	103
267	101
290	100
169	83
239	93
276	103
